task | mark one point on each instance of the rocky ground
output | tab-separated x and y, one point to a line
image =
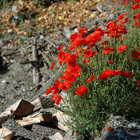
25	25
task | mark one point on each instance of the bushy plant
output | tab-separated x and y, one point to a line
101	73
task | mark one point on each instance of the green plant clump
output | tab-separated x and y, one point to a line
101	74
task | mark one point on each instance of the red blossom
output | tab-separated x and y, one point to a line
77	42
137	0
108	50
102	32
121	29
115	29
137	15
123	73
91	78
52	65
64	85
117	72
62	57
121	16
61	47
93	37
86	60
89	53
136	6
75	70
137	83
74	36
126	20
136	54
48	91
82	30
110	62
122	48
127	74
111	24
65	57
81	90
71	58
109	129
68	77
56	98
105	74
137	23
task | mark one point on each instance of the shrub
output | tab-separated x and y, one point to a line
101	73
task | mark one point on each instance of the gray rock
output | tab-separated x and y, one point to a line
121	133
14	8
46	131
69	136
21	131
122	129
67	31
56	136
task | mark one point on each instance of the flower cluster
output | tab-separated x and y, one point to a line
108	72
116	29
86	48
136	6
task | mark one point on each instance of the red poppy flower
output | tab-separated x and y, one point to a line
91	78
108	50
137	0
62	57
109	129
68	77
111	24
71	58
136	6
136	54
82	30
61	47
52	65
64	85
137	15
105	74
49	90
56	98
77	42
117	72
89	53
74	36
121	16
102	32
125	2
86	60
137	83
137	23
94	37
127	74
81	90
122	48
110	62
121	29
115	29
126	19
75	70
